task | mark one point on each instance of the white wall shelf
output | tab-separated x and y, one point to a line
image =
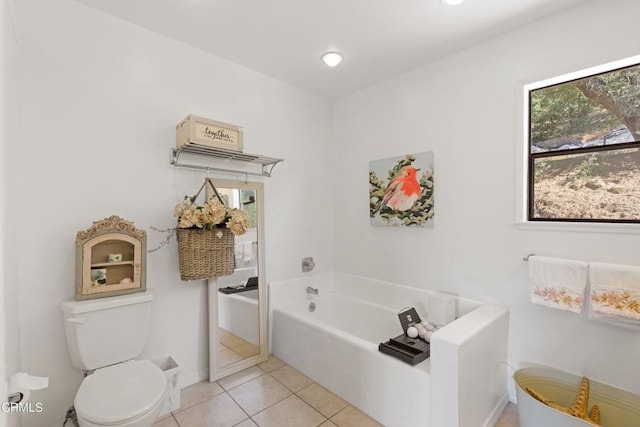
264	164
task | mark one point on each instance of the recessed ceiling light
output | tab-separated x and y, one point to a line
332	58
452	2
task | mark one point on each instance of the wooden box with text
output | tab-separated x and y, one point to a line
197	131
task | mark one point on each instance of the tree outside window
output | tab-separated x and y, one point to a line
584	149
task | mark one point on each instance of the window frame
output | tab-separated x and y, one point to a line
527	176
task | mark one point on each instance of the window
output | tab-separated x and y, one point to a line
584	146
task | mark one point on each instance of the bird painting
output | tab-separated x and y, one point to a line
406	196
403	190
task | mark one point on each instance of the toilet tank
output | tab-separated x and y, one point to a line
105	331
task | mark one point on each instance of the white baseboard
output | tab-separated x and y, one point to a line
497	411
193	378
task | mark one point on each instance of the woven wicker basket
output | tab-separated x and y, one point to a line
204	255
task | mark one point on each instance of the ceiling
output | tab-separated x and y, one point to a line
285	38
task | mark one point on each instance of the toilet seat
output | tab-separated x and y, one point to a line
120	393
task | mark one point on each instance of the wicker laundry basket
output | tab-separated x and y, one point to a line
205	254
618	408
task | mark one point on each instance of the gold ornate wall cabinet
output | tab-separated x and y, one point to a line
110	259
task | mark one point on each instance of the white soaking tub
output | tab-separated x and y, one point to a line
463	384
238	314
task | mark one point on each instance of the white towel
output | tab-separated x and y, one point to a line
239	250
558	283
248	252
615	292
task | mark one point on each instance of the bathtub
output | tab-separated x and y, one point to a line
238	314
463	384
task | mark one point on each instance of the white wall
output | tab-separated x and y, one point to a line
95	105
465	109
8	258
3	319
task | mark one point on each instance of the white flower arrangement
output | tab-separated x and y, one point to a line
213	214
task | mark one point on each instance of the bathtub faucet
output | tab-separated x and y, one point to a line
311	290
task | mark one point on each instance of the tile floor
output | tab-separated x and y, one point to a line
509	417
232	348
272	394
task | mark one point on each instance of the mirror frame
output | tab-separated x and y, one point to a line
216	372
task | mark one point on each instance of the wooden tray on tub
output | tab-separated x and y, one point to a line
409	350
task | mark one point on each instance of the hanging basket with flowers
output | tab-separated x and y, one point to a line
206	236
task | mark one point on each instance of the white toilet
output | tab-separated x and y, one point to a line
105	335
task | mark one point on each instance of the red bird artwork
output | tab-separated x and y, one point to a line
403	190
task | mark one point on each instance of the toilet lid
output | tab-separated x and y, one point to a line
120	392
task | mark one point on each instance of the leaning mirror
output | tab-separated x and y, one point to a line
237	302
